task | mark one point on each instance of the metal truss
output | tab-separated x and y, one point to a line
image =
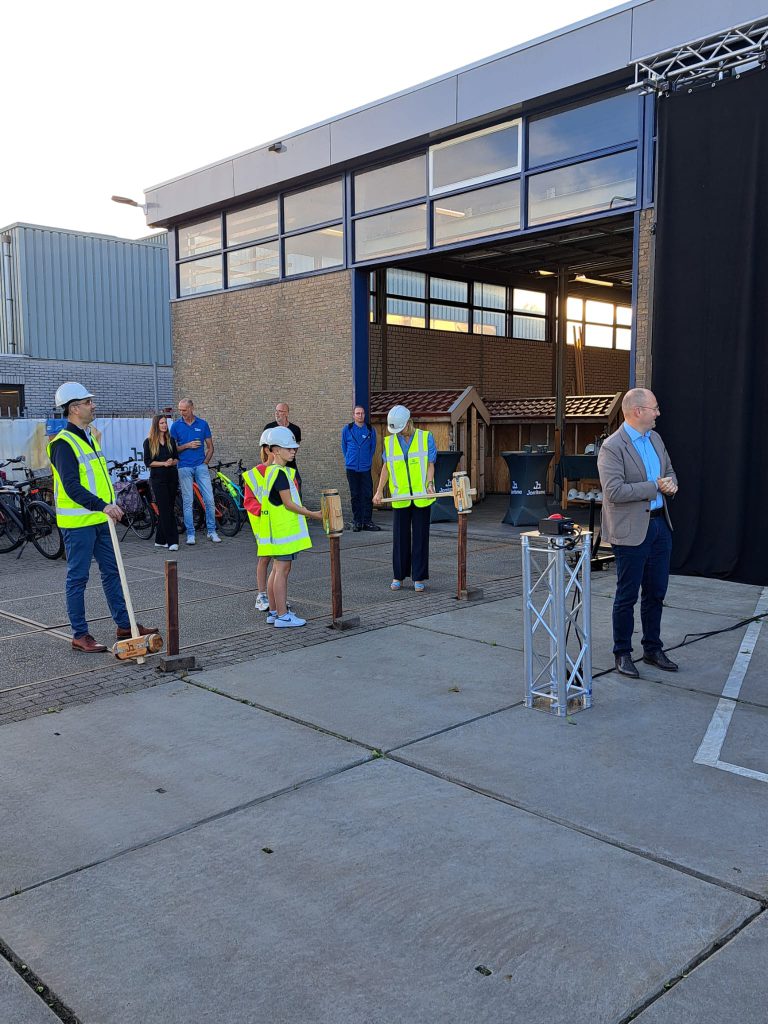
703	59
557	622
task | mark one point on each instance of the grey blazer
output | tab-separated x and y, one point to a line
627	494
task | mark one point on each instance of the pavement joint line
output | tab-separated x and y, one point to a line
281	714
450	728
711	745
471	639
761	898
54	1003
191	826
697	961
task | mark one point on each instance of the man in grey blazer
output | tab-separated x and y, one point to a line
637	478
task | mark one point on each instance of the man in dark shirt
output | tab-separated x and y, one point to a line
281	420
83	543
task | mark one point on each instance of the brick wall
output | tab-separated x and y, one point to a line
119	388
643	313
498	367
238	353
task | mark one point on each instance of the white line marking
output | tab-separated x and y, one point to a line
710	747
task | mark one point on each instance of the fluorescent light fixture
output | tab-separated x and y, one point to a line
545	273
592	280
449	213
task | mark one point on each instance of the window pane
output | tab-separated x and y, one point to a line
582	129
485	322
573	328
532	328
315	206
525	301
199	238
317	250
493	295
406	282
200	276
482	212
623	338
255	222
598	337
256	263
449	318
599	312
452	291
575	308
624	316
604	184
406	312
486	154
396	183
391	233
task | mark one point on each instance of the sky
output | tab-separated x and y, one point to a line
101	99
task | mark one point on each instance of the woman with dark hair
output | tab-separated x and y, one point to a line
161	457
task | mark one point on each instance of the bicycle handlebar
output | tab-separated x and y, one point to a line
222	465
13	462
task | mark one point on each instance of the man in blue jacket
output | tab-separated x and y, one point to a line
358	442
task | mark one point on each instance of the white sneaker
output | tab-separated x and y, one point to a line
271	616
160	545
173	547
262	603
190	538
288	620
215	538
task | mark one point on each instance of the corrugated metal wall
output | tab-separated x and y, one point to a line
88	297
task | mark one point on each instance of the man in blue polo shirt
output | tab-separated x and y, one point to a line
358	442
195	444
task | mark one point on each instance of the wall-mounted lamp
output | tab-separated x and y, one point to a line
277	147
130	202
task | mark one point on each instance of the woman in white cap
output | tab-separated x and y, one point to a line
408	462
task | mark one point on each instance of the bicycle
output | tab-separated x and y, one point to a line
235	490
24	519
228	515
135	498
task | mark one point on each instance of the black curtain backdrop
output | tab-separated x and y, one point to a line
710	324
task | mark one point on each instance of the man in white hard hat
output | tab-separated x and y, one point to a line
84	498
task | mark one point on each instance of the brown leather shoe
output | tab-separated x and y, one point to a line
87	645
123	634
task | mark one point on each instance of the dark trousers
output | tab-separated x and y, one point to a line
410	548
645	566
82	545
361	493
165	489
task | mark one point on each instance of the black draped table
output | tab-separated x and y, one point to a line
527	487
444	511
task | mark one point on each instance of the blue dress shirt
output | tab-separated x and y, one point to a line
647	453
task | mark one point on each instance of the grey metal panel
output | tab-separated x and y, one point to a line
200	188
665	24
557	63
404	117
90	297
303	153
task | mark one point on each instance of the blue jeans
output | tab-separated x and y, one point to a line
202	477
646	566
83	544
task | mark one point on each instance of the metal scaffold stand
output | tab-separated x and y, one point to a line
557	622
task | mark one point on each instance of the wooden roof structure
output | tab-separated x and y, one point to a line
578	408
450	404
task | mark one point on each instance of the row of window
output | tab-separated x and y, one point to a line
415	299
433	199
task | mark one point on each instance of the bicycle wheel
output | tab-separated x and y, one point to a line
46	536
228	519
11	528
178	509
143	522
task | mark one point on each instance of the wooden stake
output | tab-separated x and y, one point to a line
461	575
172	607
339	620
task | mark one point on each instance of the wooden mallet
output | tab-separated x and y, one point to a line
134	646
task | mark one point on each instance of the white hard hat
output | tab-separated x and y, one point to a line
265	436
71	391
397	417
282	436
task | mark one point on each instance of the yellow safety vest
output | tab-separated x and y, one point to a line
94	477
408	473
255	481
281	532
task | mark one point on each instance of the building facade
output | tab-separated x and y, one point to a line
83	307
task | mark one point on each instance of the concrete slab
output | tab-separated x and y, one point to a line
382	688
746	742
730	986
385	891
623	769
86	783
499	623
19	1004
